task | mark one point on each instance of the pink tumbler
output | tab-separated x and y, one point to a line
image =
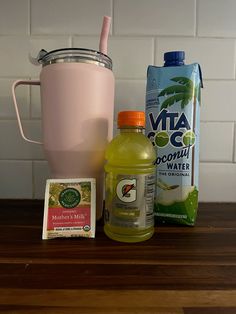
77	99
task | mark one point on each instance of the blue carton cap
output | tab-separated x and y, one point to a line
174	58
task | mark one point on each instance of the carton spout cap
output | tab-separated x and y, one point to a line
174	58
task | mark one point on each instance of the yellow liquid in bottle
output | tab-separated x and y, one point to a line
129	187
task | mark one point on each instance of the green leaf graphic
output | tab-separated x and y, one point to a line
174	89
183	80
171	100
185	92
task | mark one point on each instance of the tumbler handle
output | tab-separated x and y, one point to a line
14	85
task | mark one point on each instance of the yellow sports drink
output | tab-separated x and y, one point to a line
130	181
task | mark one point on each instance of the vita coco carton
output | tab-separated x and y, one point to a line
69	208
173	126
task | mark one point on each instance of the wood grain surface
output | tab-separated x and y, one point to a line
185	270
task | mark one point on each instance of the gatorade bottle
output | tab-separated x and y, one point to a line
130	181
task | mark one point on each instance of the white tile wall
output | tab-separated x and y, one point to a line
217	182
156	17
16	179
216	18
216	144
68	17
16	52
14	147
130	56
40	174
14	56
14	17
141	32
35	101
7	109
129	95
218	101
216	56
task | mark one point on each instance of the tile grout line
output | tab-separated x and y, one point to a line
30	102
23	160
132	35
155	43
30	18
234	144
234	59
71	41
33	180
196	18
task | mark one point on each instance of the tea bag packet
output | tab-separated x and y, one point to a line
69	208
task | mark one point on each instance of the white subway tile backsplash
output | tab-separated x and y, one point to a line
216	141
154	17
141	32
15	179
14	52
14	17
130	56
216	56
14	145
41	174
217	182
216	18
218	101
129	95
7	109
35	101
68	17
89	42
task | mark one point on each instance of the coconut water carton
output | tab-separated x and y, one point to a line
173	126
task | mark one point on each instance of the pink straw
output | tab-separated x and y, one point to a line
104	34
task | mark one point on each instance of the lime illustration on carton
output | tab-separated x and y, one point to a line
173	126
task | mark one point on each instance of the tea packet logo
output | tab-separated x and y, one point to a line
69	198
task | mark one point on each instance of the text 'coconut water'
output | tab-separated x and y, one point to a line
173	125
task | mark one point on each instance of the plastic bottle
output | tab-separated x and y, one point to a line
130	181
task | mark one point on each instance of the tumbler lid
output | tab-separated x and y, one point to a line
74	55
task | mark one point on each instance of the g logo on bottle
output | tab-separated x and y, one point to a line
126	190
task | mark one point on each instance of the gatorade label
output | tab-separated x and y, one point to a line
132	203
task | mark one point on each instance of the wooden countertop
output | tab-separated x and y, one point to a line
180	270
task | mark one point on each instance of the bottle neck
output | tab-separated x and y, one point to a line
173	63
131	129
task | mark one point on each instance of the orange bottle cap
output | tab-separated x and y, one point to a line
131	118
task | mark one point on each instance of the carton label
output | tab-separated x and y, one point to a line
173	126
